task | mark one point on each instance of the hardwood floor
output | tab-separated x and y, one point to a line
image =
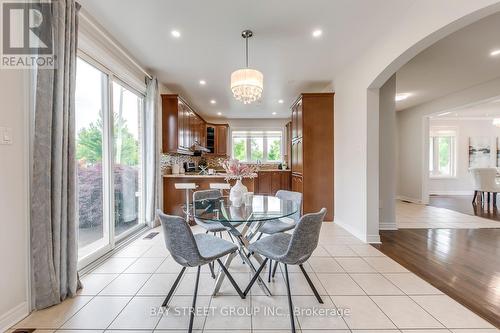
462	263
463	204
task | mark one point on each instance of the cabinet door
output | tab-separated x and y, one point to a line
294	122
264	180
276	182
180	125
300	156
221	140
297	185
294	156
285	181
299	119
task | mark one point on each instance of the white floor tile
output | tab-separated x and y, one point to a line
54	316
385	265
355	265
366	250
145	265
125	285
158	284
340	284
132	251
313	315
405	313
375	284
94	283
114	265
411	284
450	313
340	251
176	316
271	313
325	265
363	313
140	313
223	318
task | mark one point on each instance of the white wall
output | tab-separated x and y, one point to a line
413	139
14	262
356	103
387	155
466	128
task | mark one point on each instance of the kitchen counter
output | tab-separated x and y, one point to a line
274	170
191	175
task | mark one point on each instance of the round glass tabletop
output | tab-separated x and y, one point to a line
263	208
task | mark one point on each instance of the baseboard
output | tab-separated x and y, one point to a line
13	316
373	239
353	232
409	199
451	192
387	226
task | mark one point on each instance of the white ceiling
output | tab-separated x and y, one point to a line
481	109
211	47
454	63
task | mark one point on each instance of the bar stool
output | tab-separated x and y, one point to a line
221	187
186	187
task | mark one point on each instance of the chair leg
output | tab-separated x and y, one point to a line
270	269
290	304
255	277
260	236
231	279
171	292
193	307
318	297
475	196
211	266
275	267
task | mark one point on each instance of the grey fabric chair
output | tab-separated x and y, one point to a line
190	250
292	249
281	225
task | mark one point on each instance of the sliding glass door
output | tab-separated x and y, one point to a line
109	160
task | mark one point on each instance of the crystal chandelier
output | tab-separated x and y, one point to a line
246	83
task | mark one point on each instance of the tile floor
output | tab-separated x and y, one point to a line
413	216
375	293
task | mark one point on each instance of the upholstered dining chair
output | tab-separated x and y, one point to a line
484	181
291	249
193	250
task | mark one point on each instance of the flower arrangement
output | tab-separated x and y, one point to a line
236	170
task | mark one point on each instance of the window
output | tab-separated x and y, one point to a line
109	159
442	152
254	146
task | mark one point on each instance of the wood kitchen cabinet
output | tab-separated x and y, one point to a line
181	125
216	139
268	182
312	151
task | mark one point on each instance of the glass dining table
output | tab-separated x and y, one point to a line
243	223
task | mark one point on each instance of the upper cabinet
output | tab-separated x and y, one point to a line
181	126
216	139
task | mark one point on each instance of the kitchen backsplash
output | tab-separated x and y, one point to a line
213	162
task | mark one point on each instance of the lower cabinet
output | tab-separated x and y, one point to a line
270	182
297	184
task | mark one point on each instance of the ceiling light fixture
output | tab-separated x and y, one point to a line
317	33
247	84
495	53
274	113
213	101
176	33
402	96
281	101
203	82
219	113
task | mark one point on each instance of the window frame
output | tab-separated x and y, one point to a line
265	136
435	133
108	159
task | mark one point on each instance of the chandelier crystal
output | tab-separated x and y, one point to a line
247	84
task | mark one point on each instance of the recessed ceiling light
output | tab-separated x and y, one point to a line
203	82
213	101
402	96
495	53
219	113
274	113
317	33
281	101
175	33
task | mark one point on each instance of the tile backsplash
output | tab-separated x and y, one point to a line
213	162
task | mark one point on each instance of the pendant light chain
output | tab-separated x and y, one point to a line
246	42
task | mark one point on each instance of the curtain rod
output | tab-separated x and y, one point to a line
105	35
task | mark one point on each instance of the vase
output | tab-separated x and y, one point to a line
236	193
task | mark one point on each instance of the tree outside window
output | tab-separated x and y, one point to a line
253	146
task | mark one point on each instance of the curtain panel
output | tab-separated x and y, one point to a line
54	216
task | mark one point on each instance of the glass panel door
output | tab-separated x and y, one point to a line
127	166
90	106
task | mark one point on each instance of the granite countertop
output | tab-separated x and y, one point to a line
216	175
275	170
